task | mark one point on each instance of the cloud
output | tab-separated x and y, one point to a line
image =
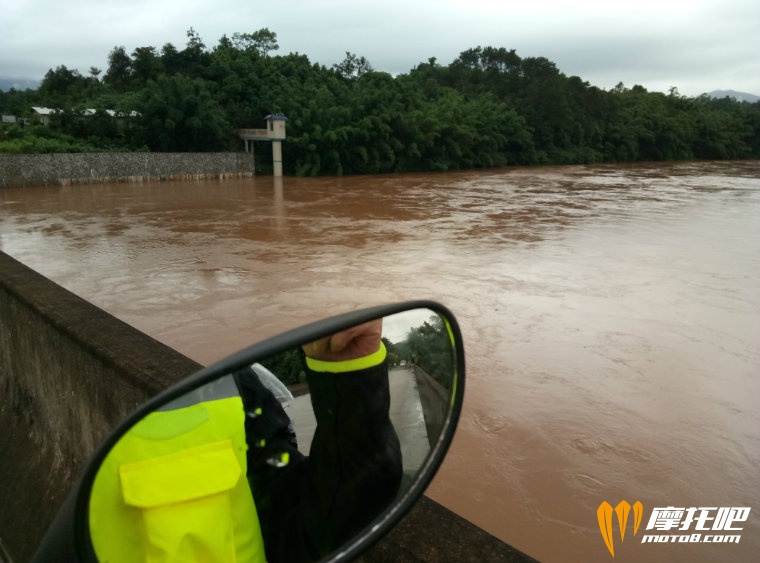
698	46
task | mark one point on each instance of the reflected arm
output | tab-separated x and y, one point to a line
310	506
355	459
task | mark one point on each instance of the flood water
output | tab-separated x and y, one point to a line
611	317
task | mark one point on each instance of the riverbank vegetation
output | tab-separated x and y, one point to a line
489	107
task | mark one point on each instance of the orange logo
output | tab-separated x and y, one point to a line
623	509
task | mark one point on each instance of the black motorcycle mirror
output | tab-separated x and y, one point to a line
309	446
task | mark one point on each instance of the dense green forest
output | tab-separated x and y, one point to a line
489	107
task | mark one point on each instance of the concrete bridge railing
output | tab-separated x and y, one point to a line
69	372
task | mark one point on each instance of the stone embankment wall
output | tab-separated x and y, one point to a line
19	170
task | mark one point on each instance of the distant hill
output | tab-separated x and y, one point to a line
740	96
6	84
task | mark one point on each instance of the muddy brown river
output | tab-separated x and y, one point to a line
611	318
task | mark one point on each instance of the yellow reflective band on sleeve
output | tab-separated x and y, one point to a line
365	362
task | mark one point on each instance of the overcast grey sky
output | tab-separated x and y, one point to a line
697	46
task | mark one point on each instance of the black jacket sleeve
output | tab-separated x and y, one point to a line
311	506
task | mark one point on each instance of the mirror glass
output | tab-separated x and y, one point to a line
287	457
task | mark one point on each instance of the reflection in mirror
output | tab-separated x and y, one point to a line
285	459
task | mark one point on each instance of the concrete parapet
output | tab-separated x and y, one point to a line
431	532
69	372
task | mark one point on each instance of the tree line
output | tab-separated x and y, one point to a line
487	108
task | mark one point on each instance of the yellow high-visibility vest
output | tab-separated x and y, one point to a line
174	489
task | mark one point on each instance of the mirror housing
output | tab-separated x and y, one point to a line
69	538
